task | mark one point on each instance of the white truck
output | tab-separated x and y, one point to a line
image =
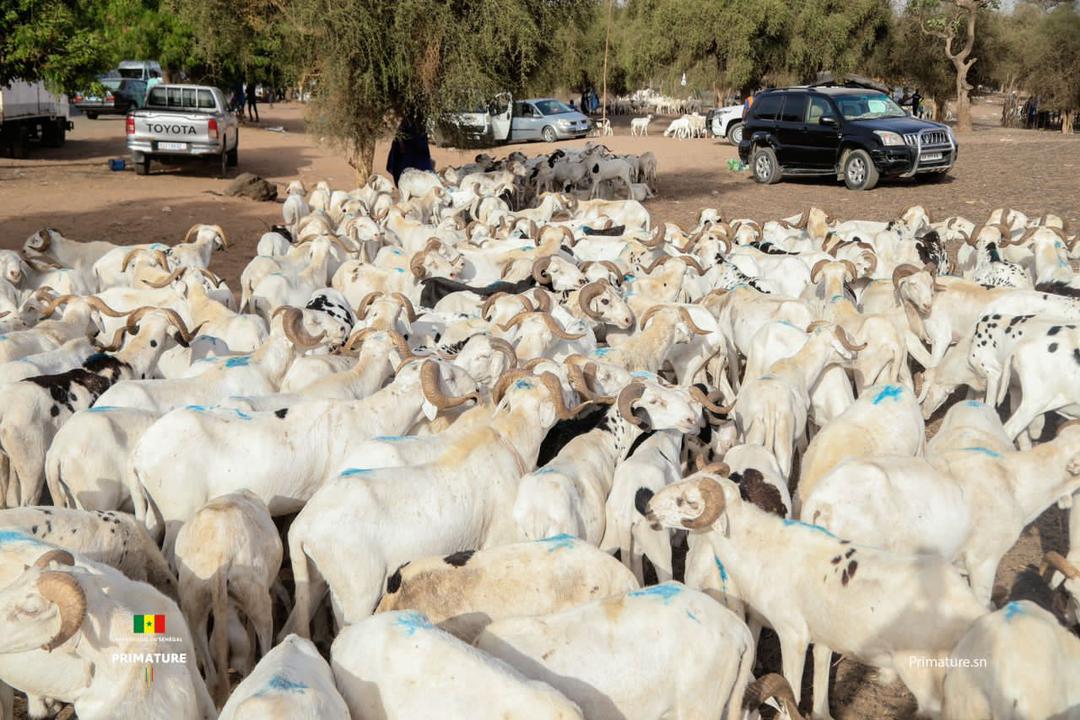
184	122
28	111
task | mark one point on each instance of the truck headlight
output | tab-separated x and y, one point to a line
888	138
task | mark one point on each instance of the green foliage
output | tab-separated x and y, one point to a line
1052	57
51	40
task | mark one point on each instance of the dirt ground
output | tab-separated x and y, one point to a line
73	190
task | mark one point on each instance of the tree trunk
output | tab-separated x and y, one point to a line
963	100
1067	122
361	156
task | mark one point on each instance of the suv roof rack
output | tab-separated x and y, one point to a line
850	81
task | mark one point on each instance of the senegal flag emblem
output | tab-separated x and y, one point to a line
148	624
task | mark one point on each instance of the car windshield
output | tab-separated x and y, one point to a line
551	107
868	106
134	73
110	83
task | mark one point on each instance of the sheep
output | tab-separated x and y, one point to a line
83	613
883	609
970	504
229	552
465	591
398	666
1017	662
662	651
71	354
611	169
640	126
291	682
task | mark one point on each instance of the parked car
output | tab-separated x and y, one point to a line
506	120
148	71
111	95
726	122
856	133
181	122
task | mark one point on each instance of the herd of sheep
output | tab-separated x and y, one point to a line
475	446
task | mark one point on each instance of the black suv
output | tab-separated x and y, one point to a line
857	134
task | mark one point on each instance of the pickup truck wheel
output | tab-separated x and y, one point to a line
734	133
223	165
142	165
859	171
764	166
234	155
91	116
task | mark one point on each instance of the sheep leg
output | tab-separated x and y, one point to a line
7	702
258	606
195	604
793	657
310	588
1029	409
219	641
822	661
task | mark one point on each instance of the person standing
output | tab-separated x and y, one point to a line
916	102
252	106
409	149
238	99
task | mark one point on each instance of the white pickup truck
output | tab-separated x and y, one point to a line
181	122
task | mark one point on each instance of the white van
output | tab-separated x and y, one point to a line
147	70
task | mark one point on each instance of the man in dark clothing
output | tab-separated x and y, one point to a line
916	101
252	107
409	149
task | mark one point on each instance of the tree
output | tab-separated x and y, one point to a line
374	62
51	40
1050	63
953	20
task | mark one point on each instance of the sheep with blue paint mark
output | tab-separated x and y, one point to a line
465	591
398	666
663	651
881	608
968	505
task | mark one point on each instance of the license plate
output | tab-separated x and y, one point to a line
932	156
172	146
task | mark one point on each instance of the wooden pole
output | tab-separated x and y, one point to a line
607	40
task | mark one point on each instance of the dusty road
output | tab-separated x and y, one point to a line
73	190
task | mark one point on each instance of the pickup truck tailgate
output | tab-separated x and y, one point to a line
179	132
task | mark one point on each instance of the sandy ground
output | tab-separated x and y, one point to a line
73	190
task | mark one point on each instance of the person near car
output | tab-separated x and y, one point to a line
409	149
238	99
252	106
916	102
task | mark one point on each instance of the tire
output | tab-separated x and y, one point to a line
223	165
548	134
734	133
234	154
53	134
91	115
764	166
142	165
20	144
859	171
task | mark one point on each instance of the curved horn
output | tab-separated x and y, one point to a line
902	271
871	261
543	300
842	336
769	686
657	239
292	322
178	323
224	238
406	305
716	468
128	258
697	394
657	263
492	299
693	263
211	276
515	321
361	310
166	281
67	594
851	269
416	265
1056	561
504	381
539	270
648	315
554	387
429	384
358	337
586	296
580	380
713	496
817	269
557	329
194	229
685	315
626	399
58	556
502	346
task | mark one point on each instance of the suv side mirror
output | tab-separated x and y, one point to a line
828	120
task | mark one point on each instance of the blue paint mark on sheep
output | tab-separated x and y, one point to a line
239	361
353	472
546	470
280	682
1012	610
394	438
241	414
601	352
798	523
836	298
523	385
642	374
7	536
196	408
693	617
559	542
985	451
665	592
973	403
102	408
723	573
411	621
888	392
400	270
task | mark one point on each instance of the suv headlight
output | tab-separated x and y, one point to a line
889	138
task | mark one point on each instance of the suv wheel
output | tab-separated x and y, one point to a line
734	133
859	171
764	166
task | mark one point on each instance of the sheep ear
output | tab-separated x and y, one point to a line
429	410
